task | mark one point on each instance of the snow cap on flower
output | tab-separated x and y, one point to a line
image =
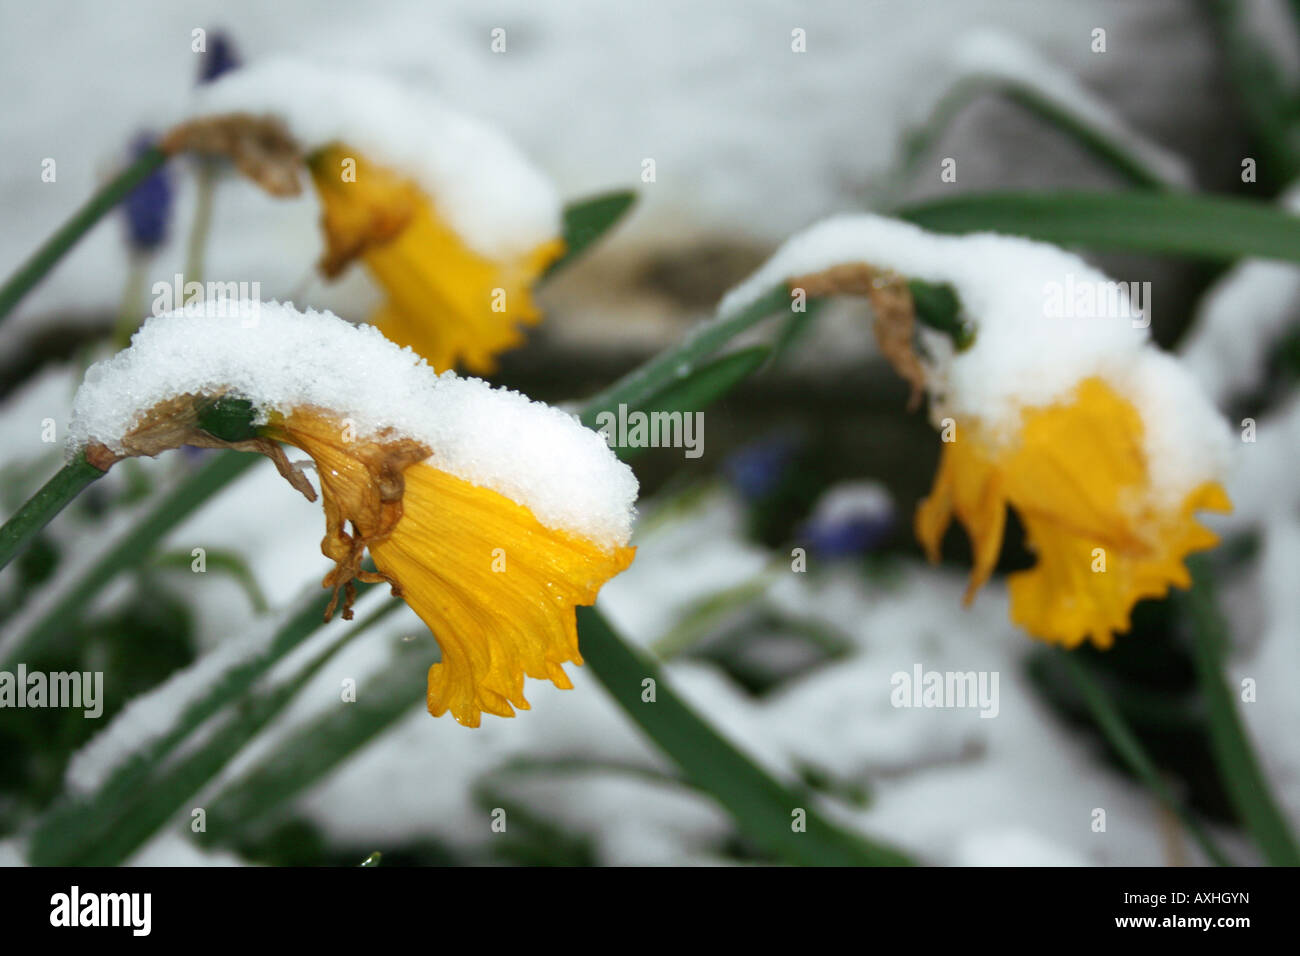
480	182
530	452
1033	342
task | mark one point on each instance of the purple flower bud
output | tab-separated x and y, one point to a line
148	207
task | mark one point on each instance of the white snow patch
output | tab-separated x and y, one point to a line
1013	846
482	185
491	437
1032	346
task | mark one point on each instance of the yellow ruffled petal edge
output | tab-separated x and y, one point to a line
497	588
1080	589
1077	477
450	304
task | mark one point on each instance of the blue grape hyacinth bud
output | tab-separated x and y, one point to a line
148	207
850	519
220	57
756	469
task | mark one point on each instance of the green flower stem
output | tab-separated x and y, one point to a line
132	308
1239	768
196	247
1130	750
45	258
41	507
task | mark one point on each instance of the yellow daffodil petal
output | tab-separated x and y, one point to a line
1080	589
969	486
496	587
450	303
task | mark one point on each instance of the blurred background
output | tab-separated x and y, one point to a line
751	141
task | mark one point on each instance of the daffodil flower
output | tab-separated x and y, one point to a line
1077	477
493	517
448	217
1060	409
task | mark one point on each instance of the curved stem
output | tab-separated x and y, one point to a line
40	508
130	311
45	258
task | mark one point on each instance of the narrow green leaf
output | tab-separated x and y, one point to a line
1201	227
796	328
1265	97
107	827
586	220
699	389
307	755
764	810
1081	125
1239	768
680	361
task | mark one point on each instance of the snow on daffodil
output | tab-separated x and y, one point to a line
450	219
492	516
1060	409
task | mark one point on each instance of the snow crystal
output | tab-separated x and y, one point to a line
1045	320
482	185
285	359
